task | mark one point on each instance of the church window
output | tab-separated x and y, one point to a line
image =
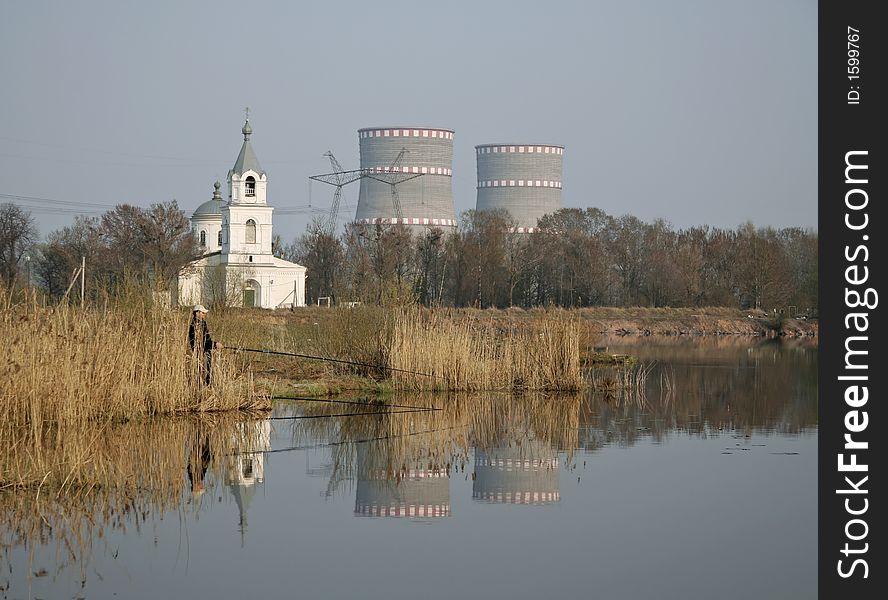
250	186
251	232
219	238
203	239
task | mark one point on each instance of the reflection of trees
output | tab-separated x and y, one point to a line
771	387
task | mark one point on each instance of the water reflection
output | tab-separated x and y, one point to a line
399	461
493	448
199	459
414	488
523	472
246	465
704	387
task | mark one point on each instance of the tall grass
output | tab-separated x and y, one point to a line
126	358
542	354
445	350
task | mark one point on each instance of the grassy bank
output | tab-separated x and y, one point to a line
466	348
409	348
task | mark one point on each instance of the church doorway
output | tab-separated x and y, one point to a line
251	294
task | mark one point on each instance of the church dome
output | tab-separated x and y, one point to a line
211	208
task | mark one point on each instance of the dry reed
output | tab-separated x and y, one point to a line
473	355
66	365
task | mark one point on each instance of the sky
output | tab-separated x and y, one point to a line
699	112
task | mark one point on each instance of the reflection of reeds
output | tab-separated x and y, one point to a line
622	384
667	384
69	365
443	438
70	489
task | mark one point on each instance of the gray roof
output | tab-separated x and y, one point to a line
212	207
247	160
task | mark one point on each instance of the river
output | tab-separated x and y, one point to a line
699	483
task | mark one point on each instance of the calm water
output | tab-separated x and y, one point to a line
704	486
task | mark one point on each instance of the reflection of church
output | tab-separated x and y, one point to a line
414	489
237	267
246	467
522	472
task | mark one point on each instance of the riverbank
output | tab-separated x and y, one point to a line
357	333
697	322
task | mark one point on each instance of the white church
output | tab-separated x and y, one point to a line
237	267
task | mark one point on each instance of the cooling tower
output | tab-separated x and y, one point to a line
425	200
523	179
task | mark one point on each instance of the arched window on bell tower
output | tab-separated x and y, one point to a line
251	232
203	239
250	186
219	238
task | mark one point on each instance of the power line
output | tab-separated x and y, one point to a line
54	201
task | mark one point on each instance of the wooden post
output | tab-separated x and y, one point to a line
82	278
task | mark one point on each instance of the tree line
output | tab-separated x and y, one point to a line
127	242
581	257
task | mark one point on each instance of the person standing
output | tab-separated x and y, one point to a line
202	344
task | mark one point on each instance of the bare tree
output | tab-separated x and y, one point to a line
431	264
154	243
223	287
63	251
168	241
17	235
322	254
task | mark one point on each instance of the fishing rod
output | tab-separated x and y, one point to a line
336	360
342	442
351	414
369	404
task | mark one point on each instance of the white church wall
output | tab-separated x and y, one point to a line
284	287
212	229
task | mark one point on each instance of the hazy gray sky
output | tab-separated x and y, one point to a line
694	111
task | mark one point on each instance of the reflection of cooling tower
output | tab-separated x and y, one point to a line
523	179
520	474
413	491
425	200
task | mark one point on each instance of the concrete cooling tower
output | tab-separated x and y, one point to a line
524	179
426	200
